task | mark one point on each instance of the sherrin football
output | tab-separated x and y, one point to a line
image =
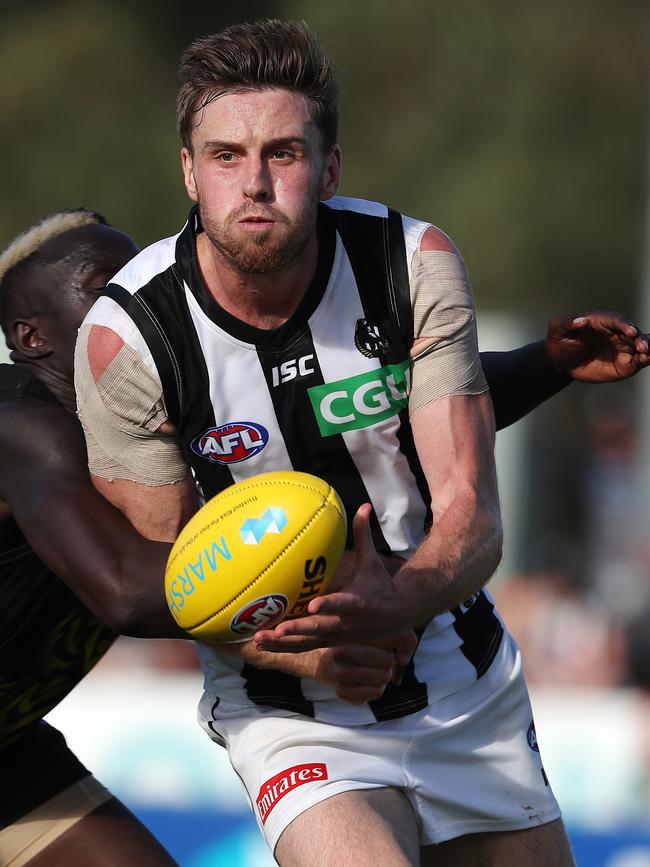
256	553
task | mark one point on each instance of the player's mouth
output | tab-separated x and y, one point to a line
257	222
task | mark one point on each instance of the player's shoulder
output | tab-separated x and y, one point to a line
357	206
38	435
434	239
21	388
108	318
151	262
420	234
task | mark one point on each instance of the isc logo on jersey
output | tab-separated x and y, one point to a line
231	443
361	401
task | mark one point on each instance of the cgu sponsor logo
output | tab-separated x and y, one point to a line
260	614
313	578
231	443
361	401
204	567
281	784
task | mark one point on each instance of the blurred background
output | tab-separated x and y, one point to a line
519	128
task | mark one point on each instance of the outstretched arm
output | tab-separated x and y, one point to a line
90	545
601	346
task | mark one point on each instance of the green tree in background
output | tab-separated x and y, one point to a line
519	126
520	129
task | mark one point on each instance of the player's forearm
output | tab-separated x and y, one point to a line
456	559
521	380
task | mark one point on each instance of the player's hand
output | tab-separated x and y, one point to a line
367	610
597	347
359	672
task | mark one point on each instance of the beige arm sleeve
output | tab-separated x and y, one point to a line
445	346
121	408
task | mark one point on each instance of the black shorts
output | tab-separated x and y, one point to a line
34	769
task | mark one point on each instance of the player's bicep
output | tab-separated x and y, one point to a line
134	464
122	411
444	354
157	512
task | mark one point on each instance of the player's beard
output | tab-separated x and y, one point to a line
265	251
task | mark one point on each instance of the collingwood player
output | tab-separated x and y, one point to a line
290	328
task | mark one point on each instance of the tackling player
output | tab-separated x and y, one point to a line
52	811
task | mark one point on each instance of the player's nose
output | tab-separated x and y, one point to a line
257	180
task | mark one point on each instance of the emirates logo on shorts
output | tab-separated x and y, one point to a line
281	784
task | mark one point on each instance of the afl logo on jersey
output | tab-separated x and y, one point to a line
231	443
369	340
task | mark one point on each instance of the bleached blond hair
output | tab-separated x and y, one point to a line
25	251
49	227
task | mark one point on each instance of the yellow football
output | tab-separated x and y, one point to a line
256	553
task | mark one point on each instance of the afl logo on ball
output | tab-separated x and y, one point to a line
231	443
262	613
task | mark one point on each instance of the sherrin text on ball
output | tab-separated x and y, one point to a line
256	553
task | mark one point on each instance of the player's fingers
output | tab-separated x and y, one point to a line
363	656
355	675
336	604
607	321
289	644
641	344
360	694
363	546
308	632
406	647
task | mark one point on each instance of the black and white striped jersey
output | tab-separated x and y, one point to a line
325	393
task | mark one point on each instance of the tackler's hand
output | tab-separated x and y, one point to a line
601	346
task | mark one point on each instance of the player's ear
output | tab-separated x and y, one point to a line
331	177
188	174
29	338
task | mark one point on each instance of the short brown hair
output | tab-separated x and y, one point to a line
266	54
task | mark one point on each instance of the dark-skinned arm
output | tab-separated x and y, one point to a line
84	540
596	347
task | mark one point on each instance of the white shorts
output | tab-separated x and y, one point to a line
468	763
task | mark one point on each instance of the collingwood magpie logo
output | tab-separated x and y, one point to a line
369	340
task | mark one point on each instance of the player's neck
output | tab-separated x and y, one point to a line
61	386
262	300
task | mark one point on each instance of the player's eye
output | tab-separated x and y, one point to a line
225	157
282	155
